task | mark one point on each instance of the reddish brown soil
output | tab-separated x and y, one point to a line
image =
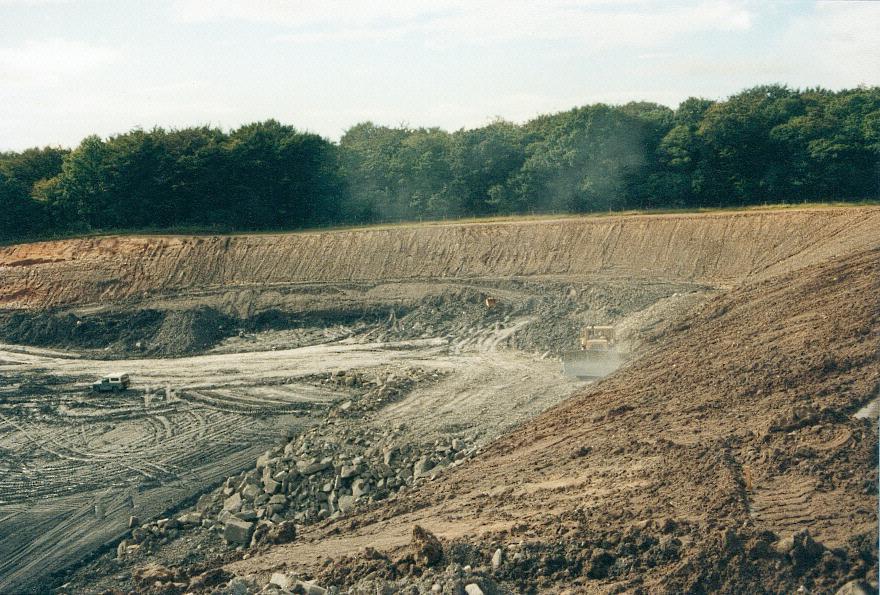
715	248
683	471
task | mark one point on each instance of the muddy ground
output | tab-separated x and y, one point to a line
180	429
755	471
385	431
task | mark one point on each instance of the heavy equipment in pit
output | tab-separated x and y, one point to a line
598	355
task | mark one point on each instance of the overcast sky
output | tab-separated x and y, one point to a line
76	67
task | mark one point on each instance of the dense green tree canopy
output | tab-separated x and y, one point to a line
765	144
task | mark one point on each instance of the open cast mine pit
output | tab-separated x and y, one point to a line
385	410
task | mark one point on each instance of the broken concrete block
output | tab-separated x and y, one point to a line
246	515
270	486
308	588
359	488
250	491
190	518
497	559
281	580
263	459
345	503
421	467
238	531
312	468
232	503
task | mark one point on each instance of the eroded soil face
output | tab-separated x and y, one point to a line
287	427
730	458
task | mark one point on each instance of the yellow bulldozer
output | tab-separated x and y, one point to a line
597	338
597	357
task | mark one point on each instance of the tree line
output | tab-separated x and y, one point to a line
765	144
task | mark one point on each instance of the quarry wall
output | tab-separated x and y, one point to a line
714	248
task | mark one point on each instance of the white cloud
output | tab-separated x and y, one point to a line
52	61
59	90
443	23
594	27
32	2
307	12
37	117
837	46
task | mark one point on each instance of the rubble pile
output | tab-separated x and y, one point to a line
513	562
323	473
374	389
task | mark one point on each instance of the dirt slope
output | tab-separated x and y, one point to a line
717	248
686	471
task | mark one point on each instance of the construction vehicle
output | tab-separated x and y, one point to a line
597	338
598	355
112	383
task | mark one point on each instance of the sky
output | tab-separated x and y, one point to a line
70	68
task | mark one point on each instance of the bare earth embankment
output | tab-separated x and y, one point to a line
732	453
718	248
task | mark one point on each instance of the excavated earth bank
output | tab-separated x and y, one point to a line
708	248
726	456
728	459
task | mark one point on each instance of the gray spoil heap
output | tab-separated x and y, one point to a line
324	473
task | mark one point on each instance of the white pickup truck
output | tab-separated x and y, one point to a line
112	383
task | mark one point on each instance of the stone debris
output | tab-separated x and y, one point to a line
240	585
329	471
237	531
376	389
190	519
854	588
326	472
497	558
282	581
151	574
284	532
453	578
232	503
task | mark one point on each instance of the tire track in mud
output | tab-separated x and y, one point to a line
156	444
784	507
202	448
82	451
